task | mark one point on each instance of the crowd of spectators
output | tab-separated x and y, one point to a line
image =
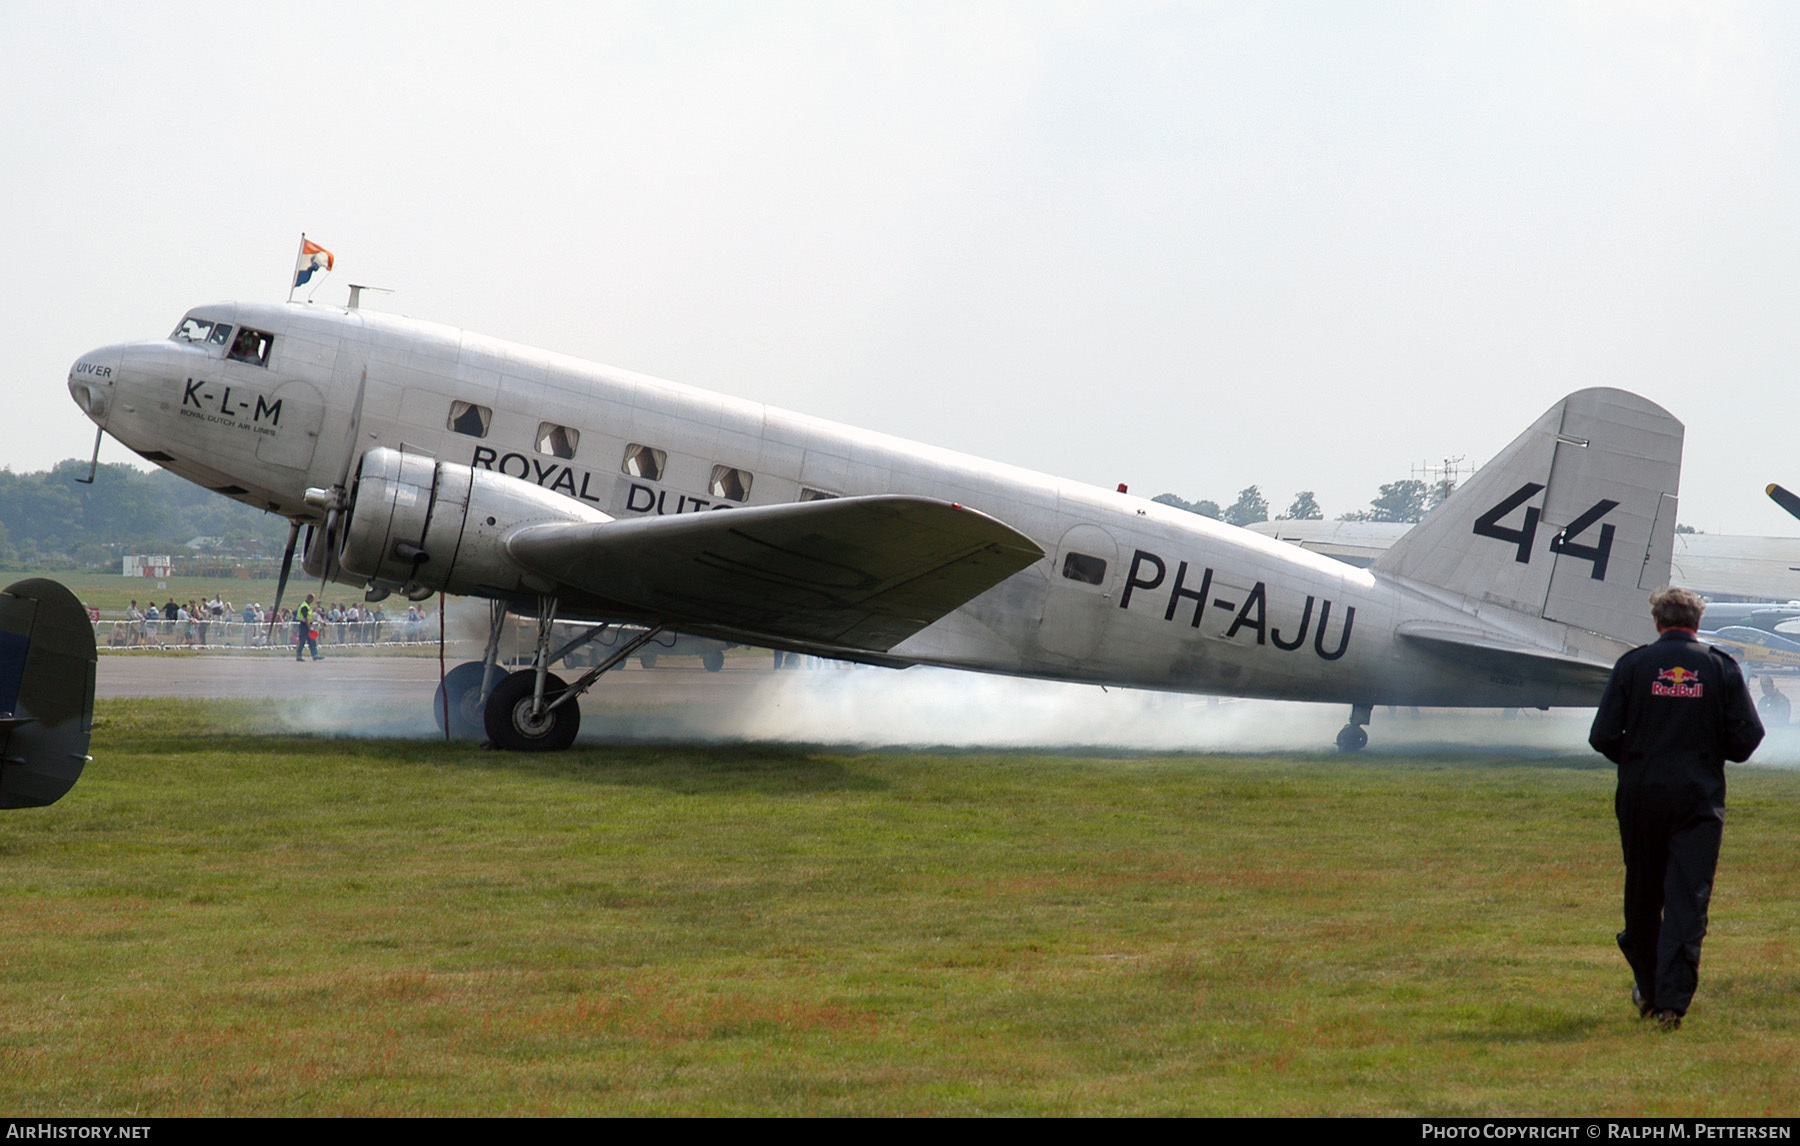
219	623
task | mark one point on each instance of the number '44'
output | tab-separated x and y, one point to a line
1564	543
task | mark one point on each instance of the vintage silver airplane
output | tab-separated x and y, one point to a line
423	458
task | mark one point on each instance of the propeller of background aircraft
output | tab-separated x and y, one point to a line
1784	498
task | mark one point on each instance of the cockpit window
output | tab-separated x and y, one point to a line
251	346
202	331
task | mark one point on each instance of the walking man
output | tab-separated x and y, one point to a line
1672	714
304	634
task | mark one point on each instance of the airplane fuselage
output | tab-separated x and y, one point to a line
1129	592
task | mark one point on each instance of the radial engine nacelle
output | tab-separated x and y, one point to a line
422	526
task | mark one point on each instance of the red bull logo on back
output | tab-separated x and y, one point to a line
1677	681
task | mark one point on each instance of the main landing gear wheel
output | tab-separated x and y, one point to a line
511	724
1352	738
463	683
714	660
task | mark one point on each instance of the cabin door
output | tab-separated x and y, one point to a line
1080	598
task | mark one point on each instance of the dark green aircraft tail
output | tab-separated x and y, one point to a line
46	692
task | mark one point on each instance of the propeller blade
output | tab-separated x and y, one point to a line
93	466
341	491
1784	499
330	547
287	565
350	454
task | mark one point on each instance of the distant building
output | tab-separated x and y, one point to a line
137	565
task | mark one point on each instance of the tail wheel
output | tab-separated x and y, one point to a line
464	686
511	724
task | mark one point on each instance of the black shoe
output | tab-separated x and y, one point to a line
1668	1020
1644	1006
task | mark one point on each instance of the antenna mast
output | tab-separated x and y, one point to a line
356	290
1444	477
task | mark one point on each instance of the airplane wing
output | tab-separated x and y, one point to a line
855	572
1498	654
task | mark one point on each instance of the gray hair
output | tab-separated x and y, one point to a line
1676	608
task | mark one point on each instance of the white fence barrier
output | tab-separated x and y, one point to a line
225	635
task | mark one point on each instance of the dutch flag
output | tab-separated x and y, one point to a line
312	258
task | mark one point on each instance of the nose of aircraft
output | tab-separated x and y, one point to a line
91	381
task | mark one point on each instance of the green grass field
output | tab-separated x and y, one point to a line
109	592
226	920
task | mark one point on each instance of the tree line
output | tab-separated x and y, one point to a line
1406	500
49	520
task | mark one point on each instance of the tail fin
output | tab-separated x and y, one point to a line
1573	522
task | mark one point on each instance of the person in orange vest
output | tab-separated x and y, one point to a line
304	633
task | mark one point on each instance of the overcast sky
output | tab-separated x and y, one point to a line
1188	246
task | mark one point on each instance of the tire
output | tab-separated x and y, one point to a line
1352	738
648	660
509	725
714	661
464	686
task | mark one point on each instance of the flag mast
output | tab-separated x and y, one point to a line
310	261
294	278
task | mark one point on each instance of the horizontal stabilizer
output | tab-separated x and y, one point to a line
1498	654
856	572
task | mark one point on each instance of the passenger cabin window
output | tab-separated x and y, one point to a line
644	462
730	484
203	332
808	493
1087	570
468	418
251	346
557	440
